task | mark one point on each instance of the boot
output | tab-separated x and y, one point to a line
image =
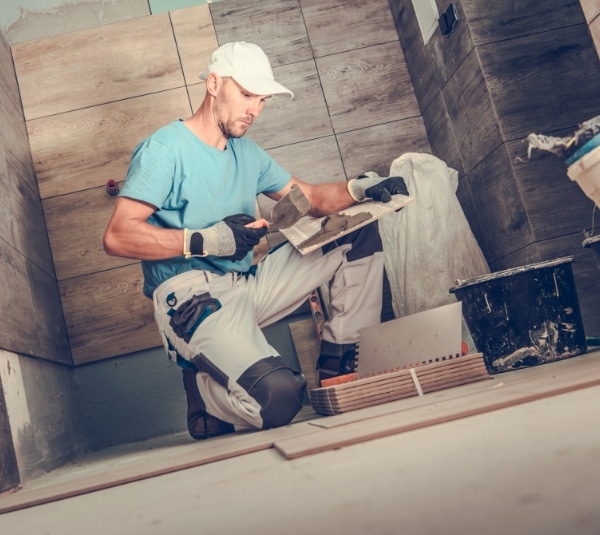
201	425
332	366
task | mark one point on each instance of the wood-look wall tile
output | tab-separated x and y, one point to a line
556	206
585	273
448	52
499	205
51	329
499	21
76	224
542	82
107	314
376	147
13	139
469	208
277	26
32	324
367	87
591	9
8	79
91	67
371	24
441	135
85	148
315	161
423	71
471	112
196	39
22	224
595	33
284	121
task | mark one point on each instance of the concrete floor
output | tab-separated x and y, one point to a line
529	469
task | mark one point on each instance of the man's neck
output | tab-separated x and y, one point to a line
201	125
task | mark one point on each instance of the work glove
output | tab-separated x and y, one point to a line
372	186
230	239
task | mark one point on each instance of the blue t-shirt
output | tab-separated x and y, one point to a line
194	186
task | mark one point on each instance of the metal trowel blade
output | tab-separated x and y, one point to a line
290	208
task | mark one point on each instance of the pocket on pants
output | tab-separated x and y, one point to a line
189	315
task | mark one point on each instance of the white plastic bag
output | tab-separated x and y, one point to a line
429	244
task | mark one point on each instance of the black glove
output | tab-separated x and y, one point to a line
230	239
371	185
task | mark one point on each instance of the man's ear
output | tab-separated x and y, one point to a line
213	82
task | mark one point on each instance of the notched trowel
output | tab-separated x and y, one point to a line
289	209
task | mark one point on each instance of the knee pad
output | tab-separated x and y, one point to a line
280	395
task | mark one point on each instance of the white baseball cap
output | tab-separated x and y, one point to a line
249	66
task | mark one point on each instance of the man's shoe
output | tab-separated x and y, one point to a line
201	425
333	366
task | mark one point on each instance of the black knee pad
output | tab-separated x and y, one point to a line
280	395
365	242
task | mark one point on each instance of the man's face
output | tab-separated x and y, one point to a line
236	108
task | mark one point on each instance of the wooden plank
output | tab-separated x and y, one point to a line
376	147
367	86
371	24
151	463
98	65
85	148
107	314
196	39
277	26
584	372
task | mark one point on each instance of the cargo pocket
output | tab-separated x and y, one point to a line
189	315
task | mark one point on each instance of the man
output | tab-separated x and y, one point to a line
186	211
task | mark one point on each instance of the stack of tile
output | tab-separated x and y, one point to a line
419	380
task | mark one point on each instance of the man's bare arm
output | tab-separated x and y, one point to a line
129	235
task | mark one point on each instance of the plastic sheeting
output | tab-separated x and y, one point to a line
428	245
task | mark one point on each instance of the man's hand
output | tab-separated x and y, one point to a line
372	186
230	239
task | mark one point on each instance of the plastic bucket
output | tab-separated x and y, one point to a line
586	172
524	316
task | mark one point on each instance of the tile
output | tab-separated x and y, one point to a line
366	87
277	26
547	192
542	82
371	24
591	9
196	40
58	18
161	6
499	206
313	161
471	112
121	320
306	113
375	148
85	148
499	21
96	66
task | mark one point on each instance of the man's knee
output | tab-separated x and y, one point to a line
280	394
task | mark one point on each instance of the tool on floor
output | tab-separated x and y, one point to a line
290	209
422	338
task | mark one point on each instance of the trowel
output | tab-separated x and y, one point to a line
289	209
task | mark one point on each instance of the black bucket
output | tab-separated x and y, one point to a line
524	316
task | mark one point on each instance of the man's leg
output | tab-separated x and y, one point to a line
353	267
